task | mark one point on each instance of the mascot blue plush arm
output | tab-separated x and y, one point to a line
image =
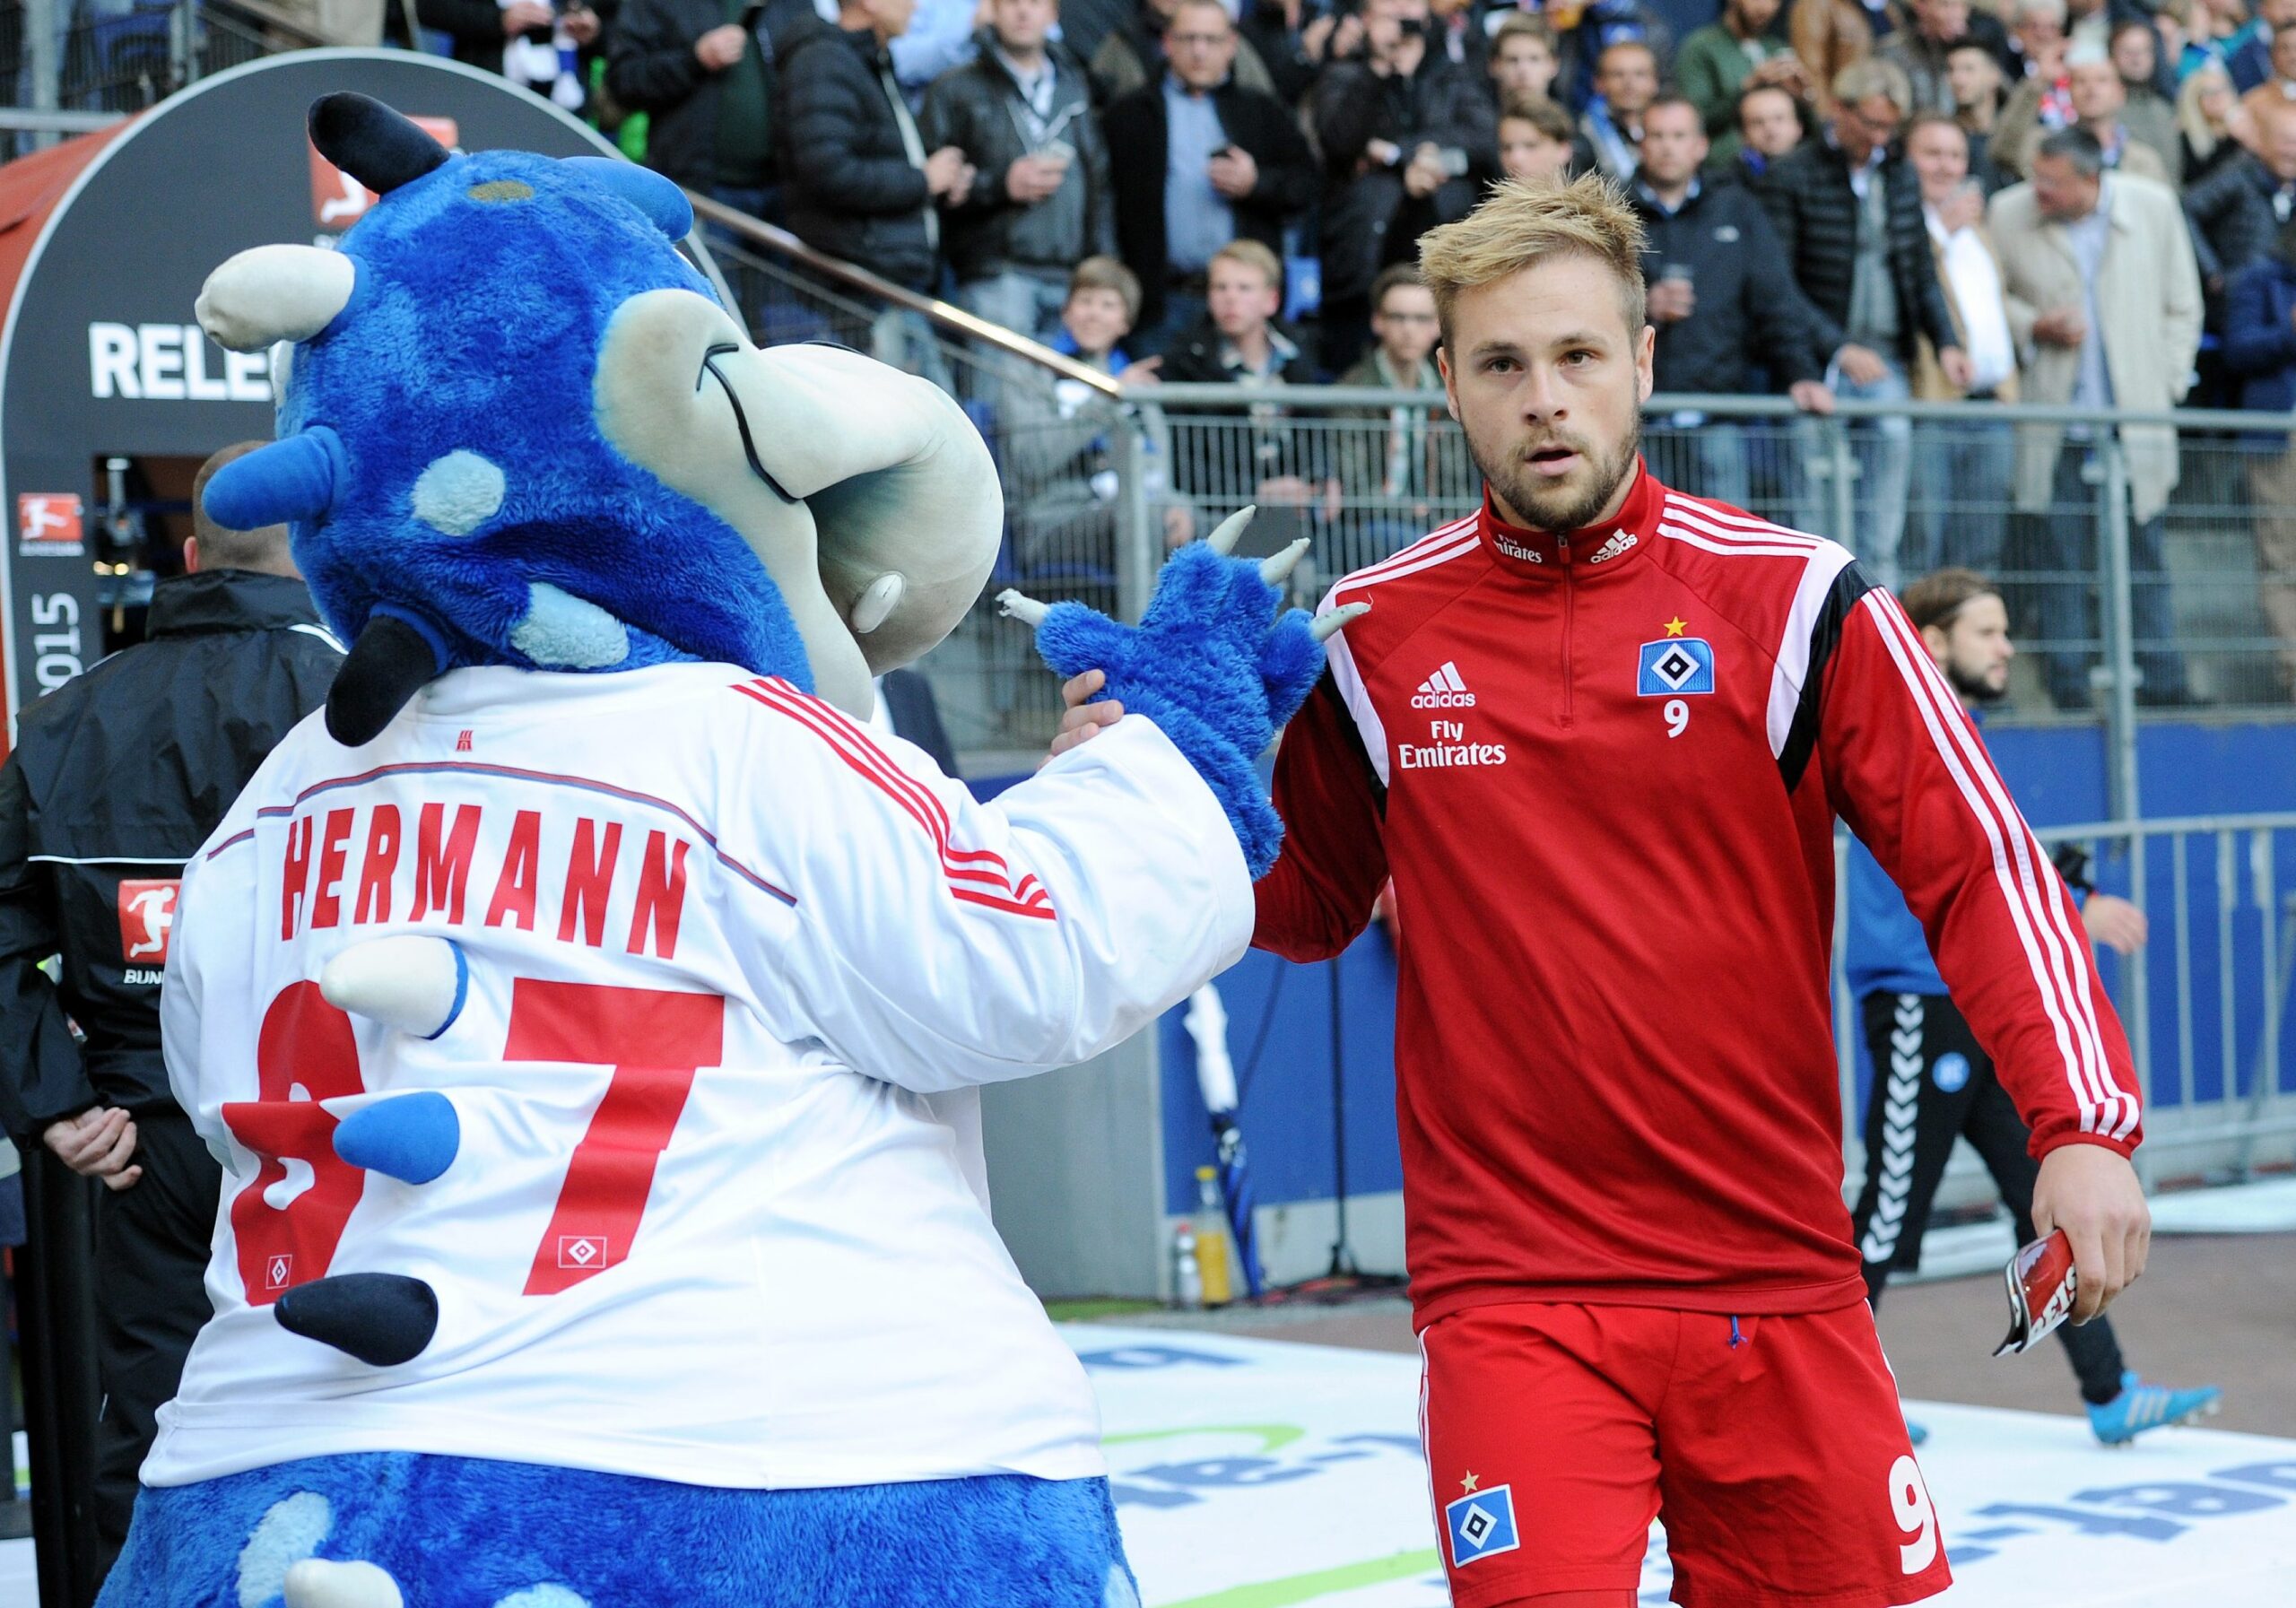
588	1011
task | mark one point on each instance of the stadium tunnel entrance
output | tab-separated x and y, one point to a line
110	397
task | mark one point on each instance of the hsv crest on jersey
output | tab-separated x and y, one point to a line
1674	667
1481	1525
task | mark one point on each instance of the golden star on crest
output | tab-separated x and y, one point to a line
1467	1485
1674	626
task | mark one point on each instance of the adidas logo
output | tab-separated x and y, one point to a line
1610	548
1443	690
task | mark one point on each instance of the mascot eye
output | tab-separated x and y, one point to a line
710	371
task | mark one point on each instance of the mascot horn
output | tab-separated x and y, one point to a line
589	1011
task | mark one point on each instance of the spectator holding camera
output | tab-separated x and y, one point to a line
1408	138
1718	62
1039	203
1207	161
860	183
2042	101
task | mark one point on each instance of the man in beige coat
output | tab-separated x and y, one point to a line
2103	298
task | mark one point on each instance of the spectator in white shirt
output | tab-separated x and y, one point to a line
1962	471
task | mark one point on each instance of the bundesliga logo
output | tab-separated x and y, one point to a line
1443	690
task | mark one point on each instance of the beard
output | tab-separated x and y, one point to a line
1562	504
1976	689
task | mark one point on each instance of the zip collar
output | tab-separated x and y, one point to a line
1615	544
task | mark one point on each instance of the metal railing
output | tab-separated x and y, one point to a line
2204	1003
2125	590
70	65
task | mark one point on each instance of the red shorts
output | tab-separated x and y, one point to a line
1778	1458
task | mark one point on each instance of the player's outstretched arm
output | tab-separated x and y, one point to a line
936	942
1907	769
1317	895
1216	663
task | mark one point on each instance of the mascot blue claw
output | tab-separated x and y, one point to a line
410	1137
1217	663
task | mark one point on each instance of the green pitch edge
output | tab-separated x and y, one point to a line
1323	1582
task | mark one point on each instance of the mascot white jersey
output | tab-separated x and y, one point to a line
680	1237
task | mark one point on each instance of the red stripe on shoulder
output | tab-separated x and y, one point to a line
873	766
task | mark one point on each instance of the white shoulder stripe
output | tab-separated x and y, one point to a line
1721	522
1731	550
1440	537
1791	670
2047	891
2049	897
1394	569
2040	930
1349	680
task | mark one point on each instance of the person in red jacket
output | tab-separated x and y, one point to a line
1598	731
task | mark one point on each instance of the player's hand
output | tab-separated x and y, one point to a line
98	1143
2091	1192
2115	923
1083	720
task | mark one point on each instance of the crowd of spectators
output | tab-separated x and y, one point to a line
2077	202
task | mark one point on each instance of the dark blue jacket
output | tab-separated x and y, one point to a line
2260	338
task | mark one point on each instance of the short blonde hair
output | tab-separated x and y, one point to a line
1252	254
1522	225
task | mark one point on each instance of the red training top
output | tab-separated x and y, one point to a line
1602	771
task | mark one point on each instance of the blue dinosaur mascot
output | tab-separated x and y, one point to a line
590	1008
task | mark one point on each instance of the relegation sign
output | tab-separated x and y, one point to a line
99	357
